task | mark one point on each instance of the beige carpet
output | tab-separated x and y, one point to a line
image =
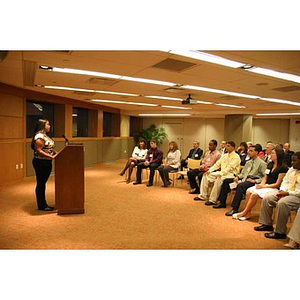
122	216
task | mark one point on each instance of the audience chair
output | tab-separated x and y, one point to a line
192	164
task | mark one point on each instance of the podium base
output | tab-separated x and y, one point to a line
70	211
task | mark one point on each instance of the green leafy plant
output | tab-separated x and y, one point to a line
151	133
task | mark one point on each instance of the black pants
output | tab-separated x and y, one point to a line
43	168
141	166
192	174
240	191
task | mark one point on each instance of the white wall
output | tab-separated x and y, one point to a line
295	134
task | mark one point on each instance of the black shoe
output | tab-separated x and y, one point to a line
180	177
275	235
137	182
209	203
264	228
198	199
47	208
121	174
194	192
149	184
231	212
220	205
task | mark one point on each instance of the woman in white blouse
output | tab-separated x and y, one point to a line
171	163
138	155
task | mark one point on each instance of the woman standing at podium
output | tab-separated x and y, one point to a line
42	145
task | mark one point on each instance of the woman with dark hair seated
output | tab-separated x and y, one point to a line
271	182
171	163
242	152
138	155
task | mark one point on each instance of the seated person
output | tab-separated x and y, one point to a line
242	152
285	200
222	149
261	153
252	173
269	147
271	182
195	153
288	154
210	157
171	164
294	233
153	161
229	165
138	155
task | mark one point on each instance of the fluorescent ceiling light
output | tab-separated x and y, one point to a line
144	80
109	101
280	101
204	102
230	105
142	104
164	115
208	58
164	98
279	114
84	72
87	90
113	76
210	90
276	74
177	107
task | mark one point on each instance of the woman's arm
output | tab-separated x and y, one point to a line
277	183
39	144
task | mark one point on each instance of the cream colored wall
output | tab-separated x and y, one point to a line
295	134
202	130
274	130
125	126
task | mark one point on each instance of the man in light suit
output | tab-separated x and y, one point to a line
195	153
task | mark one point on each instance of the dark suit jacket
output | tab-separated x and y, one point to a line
199	152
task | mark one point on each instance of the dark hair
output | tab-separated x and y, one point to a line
40	126
215	142
280	156
231	143
145	144
245	146
297	154
256	147
259	147
175	146
154	141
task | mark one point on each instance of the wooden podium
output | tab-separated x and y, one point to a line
69	180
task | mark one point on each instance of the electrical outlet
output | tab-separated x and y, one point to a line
21	166
17	166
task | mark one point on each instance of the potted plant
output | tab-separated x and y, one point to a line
151	133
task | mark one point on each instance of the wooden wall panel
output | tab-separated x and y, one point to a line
11	105
11	155
11	128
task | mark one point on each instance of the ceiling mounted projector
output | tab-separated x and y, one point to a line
189	100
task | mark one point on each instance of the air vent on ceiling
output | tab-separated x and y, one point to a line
102	81
174	65
289	88
81	93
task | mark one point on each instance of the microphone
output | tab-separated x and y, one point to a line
66	140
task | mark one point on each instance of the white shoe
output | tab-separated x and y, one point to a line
234	216
244	218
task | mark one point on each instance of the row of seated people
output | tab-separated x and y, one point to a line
270	180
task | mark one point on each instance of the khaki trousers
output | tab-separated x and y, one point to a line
284	207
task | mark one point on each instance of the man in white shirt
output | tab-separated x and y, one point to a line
285	200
